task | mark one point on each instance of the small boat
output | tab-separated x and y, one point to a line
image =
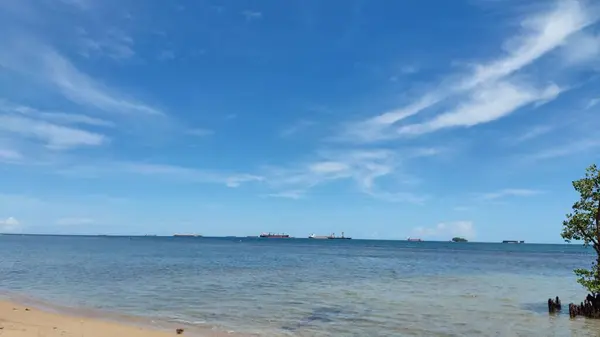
413	239
274	236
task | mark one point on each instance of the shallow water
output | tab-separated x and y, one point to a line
274	287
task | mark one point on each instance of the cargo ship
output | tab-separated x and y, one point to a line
329	237
274	236
333	237
513	241
413	239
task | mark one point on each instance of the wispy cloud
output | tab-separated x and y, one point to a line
539	35
252	15
53	117
592	103
571	148
166	55
170	172
364	167
583	47
39	62
485	105
532	133
74	221
292	194
10	225
296	128
113	43
200	132
510	192
54	136
10	155
447	230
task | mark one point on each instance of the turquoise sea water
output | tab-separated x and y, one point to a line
300	287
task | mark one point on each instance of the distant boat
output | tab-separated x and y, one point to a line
188	235
274	236
513	241
333	237
413	239
329	237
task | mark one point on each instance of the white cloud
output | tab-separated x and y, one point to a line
54	117
447	230
485	105
74	221
510	192
252	15
364	167
539	35
112	43
170	172
565	150
297	127
55	136
10	155
592	103
166	55
42	63
328	167
532	133
292	194
581	48
10	225
238	179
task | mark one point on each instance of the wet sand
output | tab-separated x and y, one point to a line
21	321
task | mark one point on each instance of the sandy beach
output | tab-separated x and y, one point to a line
20	321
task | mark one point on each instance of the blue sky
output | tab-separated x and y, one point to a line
383	119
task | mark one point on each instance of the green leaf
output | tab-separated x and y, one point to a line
583	224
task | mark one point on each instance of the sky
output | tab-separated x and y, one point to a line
382	119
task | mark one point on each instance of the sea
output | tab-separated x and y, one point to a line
302	287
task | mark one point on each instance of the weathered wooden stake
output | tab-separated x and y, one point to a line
554	305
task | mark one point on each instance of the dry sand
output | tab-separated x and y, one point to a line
21	321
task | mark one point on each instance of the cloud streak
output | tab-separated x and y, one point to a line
364	167
485	105
54	136
10	225
39	62
447	230
539	35
510	192
169	172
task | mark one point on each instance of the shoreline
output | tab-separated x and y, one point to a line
30	318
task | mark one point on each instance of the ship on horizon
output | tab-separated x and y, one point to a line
329	237
413	239
274	236
187	235
513	241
